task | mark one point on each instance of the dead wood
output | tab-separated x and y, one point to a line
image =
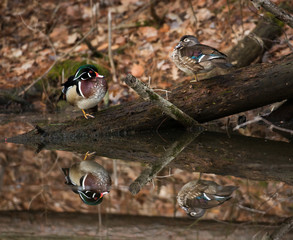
253	46
285	228
239	156
77	225
217	97
167	107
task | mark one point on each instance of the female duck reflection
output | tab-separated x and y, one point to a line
89	179
198	195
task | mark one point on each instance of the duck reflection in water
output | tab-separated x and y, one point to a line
198	195
88	179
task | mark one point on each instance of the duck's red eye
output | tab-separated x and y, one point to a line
90	71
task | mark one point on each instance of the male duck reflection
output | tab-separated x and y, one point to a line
198	195
90	179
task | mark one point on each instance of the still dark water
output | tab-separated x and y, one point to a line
144	187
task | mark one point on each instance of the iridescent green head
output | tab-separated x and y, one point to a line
86	72
91	197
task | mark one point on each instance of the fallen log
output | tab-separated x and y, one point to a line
254	45
240	156
241	90
86	226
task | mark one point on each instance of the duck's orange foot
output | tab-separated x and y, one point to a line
87	115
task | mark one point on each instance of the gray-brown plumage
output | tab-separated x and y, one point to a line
198	195
192	57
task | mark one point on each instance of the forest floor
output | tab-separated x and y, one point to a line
37	36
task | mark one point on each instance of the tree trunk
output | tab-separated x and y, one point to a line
253	46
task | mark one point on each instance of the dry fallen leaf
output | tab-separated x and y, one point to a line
120	40
137	70
203	14
150	33
165	28
16	52
59	34
23	68
72	38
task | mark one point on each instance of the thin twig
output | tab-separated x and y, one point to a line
95	52
269	198
271	125
43	34
58	58
193	12
162	90
287	41
148	174
53	19
229	17
251	209
256	119
92	13
130	25
241	17
167	107
38	79
135	14
159	21
113	70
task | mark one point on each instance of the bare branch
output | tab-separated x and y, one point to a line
193	12
113	70
149	173
58	58
167	107
279	13
270	124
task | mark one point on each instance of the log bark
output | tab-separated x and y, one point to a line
217	97
239	156
280	233
77	225
167	107
253	46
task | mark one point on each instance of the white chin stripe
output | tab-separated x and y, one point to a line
206	196
217	196
83	180
201	58
79	88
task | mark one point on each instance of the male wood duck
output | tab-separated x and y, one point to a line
192	57
85	89
88	179
198	195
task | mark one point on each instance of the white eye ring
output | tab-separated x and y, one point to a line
186	40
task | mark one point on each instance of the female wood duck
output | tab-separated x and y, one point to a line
85	89
198	195
90	180
192	57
